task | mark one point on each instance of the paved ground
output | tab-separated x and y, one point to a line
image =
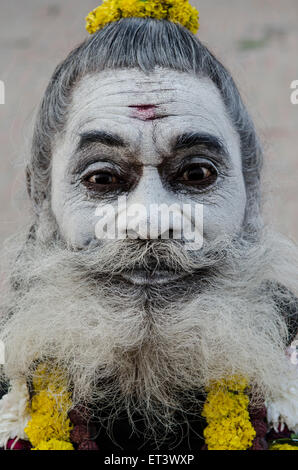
256	39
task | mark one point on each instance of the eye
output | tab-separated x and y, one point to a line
102	180
198	174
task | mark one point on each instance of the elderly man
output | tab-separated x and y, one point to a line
146	341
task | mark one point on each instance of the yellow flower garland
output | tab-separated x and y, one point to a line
177	11
225	409
283	447
226	412
49	427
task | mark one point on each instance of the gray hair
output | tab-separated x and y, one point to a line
144	43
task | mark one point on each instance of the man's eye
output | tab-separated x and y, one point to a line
198	175
102	179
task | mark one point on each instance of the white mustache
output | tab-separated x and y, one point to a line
116	257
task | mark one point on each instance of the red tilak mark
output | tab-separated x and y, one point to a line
145	112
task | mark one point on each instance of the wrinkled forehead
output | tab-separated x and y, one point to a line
162	103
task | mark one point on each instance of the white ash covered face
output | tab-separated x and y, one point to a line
144	323
149	318
160	138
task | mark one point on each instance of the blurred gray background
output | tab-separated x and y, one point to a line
256	39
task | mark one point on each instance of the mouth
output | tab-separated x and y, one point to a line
143	277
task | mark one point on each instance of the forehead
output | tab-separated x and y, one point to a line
110	101
151	108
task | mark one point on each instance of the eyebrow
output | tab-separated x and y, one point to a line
100	137
186	140
191	139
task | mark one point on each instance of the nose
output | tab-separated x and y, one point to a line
145	220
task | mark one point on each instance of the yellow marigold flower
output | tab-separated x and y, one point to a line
130	8
226	412
178	11
235	433
54	444
220	405
46	377
234	383
47	425
283	447
49	409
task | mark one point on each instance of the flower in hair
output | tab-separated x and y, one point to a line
177	11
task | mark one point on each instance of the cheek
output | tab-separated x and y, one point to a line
224	216
77	225
79	228
75	216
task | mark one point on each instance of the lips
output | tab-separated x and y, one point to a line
156	277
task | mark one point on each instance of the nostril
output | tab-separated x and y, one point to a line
136	235
132	234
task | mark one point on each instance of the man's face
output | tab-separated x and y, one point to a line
162	138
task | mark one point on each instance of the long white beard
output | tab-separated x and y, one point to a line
150	350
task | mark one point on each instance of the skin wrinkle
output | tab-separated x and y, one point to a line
150	142
150	346
108	51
